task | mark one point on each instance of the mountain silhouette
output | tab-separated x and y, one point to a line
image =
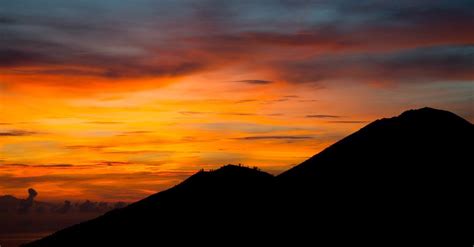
405	180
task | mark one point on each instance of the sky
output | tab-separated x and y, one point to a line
115	100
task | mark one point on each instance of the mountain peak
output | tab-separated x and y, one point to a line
430	114
422	120
229	174
420	132
239	169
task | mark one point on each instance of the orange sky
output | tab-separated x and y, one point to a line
158	135
125	144
112	102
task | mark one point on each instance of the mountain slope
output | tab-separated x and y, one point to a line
415	134
406	177
403	180
201	206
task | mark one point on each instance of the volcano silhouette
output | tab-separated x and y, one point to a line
401	181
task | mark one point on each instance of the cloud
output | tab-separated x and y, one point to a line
89	147
18	133
88	206
238	114
248	127
197	113
286	137
348	121
6	20
322	116
51	166
54	165
412	66
246	101
145	41
15	57
26	204
193	112
256	82
113	163
65	208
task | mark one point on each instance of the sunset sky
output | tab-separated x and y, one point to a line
115	100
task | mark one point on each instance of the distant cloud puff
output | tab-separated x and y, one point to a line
26	204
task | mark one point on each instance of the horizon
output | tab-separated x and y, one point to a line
115	101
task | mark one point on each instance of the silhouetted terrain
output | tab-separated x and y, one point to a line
401	181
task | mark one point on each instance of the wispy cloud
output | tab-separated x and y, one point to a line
18	133
322	116
257	82
275	137
91	147
193	112
104	122
348	121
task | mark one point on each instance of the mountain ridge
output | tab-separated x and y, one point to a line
412	117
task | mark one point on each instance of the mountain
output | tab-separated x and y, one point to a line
399	181
406	178
205	208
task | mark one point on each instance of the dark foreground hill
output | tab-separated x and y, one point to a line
404	181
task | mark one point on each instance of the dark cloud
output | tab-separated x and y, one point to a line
348	121
73	61
26	204
257	82
246	101
55	165
322	116
418	65
15	165
237	114
32	194
90	147
89	206
193	112
175	38
309	100
119	205
113	163
251	138
15	57
18	133
15	207
139	152
6	20
196	113
136	132
65	208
